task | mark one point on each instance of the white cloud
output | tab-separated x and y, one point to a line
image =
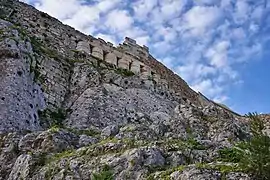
84	18
257	13
72	12
220	99
108	38
167	33
200	18
26	1
229	73
162	47
194	72
119	20
168	61
218	55
225	3
61	9
248	52
106	5
158	12
133	32
204	2
242	11
253	28
142	8
171	8
143	40
238	33
209	87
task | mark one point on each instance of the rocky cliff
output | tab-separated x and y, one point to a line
76	107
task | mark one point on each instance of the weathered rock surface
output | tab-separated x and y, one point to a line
67	112
20	96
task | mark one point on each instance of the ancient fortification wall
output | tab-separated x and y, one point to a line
46	68
128	55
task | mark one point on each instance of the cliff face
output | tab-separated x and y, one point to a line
56	55
20	96
75	107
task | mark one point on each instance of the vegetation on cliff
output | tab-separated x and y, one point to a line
253	155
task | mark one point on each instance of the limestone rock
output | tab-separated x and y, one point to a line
76	107
154	157
110	131
238	176
86	140
22	167
9	153
48	142
20	96
197	174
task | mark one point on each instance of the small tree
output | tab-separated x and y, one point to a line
105	174
254	154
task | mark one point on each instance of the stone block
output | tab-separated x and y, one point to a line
136	66
125	63
83	46
145	72
97	52
111	58
118	53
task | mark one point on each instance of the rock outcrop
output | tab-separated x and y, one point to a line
75	107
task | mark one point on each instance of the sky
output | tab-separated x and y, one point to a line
220	47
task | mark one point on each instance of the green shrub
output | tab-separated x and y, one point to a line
54	129
36	45
124	72
88	132
192	143
58	115
40	159
53	118
229	155
253	155
39	48
105	174
58	156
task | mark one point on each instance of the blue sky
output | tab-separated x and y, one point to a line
220	47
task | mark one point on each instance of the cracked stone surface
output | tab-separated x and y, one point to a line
68	112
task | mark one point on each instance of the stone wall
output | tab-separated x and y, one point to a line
45	69
129	55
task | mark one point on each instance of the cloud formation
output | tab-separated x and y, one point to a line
204	41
